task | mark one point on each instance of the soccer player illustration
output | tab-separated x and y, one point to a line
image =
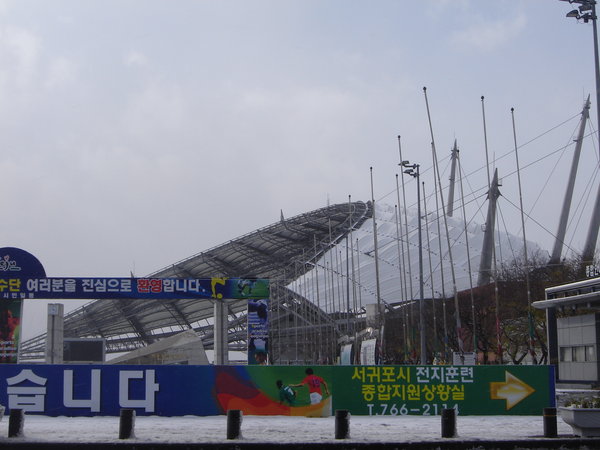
314	383
286	394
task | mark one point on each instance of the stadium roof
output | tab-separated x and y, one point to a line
280	252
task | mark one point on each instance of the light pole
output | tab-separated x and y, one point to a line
413	171
586	12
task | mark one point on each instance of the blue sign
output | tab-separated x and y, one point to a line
93	390
148	288
15	262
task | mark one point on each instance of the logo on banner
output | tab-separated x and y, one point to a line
8	265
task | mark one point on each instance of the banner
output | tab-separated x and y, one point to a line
10	331
91	390
258	331
426	390
368	352
346	355
14	263
12	288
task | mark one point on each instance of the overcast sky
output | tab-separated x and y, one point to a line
134	133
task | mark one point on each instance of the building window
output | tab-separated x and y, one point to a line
566	354
590	353
579	353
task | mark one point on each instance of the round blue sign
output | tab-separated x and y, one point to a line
17	263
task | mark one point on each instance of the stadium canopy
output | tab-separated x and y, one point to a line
281	252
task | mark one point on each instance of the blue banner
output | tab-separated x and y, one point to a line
92	390
103	390
18	263
149	288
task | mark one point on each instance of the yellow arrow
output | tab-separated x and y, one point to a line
512	390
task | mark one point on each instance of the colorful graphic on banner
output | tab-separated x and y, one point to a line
10	331
257	391
258	331
14	263
102	390
133	288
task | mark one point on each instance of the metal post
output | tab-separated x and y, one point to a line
423	335
127	424
221	324
448	423
564	214
342	424
587	12
15	423
592	237
413	171
550	426
234	424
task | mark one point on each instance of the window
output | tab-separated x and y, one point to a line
579	353
566	354
590	353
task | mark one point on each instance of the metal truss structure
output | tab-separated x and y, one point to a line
281	252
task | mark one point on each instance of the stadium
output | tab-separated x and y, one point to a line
328	279
281	252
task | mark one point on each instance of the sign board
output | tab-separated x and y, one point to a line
368	350
84	350
426	390
592	270
14	263
464	358
258	331
23	277
12	288
89	390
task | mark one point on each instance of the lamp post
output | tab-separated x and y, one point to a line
413	171
586	12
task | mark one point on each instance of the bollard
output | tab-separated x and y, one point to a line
448	423
15	423
342	424
550	427
127	424
234	424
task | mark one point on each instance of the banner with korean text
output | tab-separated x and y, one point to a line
90	390
132	288
14	264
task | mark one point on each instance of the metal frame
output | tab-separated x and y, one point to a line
278	252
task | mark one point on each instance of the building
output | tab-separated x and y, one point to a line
573	328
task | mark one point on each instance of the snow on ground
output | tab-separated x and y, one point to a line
257	429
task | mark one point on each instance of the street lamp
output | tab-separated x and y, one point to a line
586	12
413	171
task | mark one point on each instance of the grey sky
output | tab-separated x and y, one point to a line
137	133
